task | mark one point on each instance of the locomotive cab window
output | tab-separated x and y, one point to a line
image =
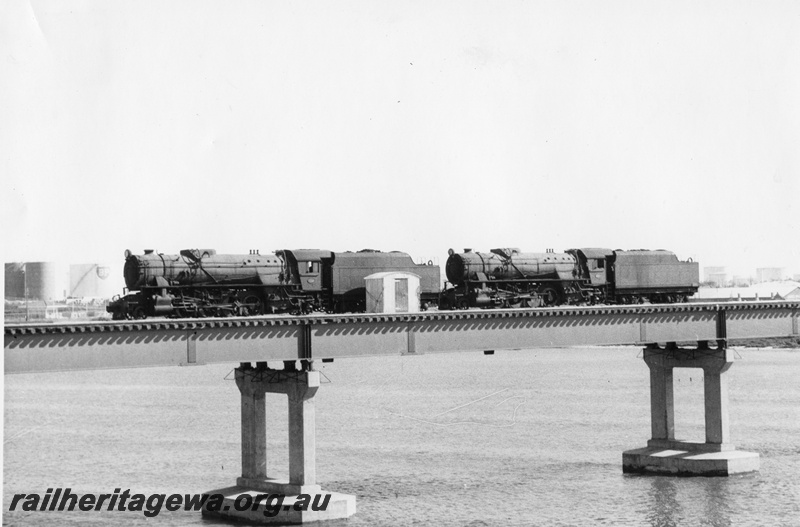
312	267
601	264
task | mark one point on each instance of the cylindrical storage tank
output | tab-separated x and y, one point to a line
91	280
43	281
15	280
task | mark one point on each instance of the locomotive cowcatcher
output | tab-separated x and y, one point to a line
200	282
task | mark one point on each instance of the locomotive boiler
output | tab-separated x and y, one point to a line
506	277
200	282
198	267
511	278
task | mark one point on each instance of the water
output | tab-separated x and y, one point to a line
518	438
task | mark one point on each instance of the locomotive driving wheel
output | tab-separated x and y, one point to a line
251	306
550	296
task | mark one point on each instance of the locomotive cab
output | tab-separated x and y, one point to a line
308	269
592	265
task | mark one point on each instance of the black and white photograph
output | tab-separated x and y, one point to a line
353	263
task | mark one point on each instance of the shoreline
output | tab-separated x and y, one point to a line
768	342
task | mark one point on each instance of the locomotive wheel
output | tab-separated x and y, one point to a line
444	302
550	296
139	313
252	306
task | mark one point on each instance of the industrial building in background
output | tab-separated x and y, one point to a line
716	276
780	290
52	290
15	280
769	274
90	280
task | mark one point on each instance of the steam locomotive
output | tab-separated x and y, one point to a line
201	283
510	278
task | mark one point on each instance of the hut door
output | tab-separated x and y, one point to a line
401	295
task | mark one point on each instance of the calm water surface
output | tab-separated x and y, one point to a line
518	438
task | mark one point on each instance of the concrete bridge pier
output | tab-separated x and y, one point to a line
666	455
257	498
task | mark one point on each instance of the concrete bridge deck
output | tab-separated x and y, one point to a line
175	342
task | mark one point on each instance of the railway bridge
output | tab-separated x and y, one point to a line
680	335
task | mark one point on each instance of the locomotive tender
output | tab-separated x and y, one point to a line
510	278
200	282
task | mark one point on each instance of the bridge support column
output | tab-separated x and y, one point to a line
666	455
257	498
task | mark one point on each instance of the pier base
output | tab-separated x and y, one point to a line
666	455
684	460
257	498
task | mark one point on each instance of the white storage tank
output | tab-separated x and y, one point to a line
91	280
393	292
45	281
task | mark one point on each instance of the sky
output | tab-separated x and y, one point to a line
405	125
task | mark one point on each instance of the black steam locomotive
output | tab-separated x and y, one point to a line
510	278
202	283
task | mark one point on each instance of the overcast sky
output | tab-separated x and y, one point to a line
414	126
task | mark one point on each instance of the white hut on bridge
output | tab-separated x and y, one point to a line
393	292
